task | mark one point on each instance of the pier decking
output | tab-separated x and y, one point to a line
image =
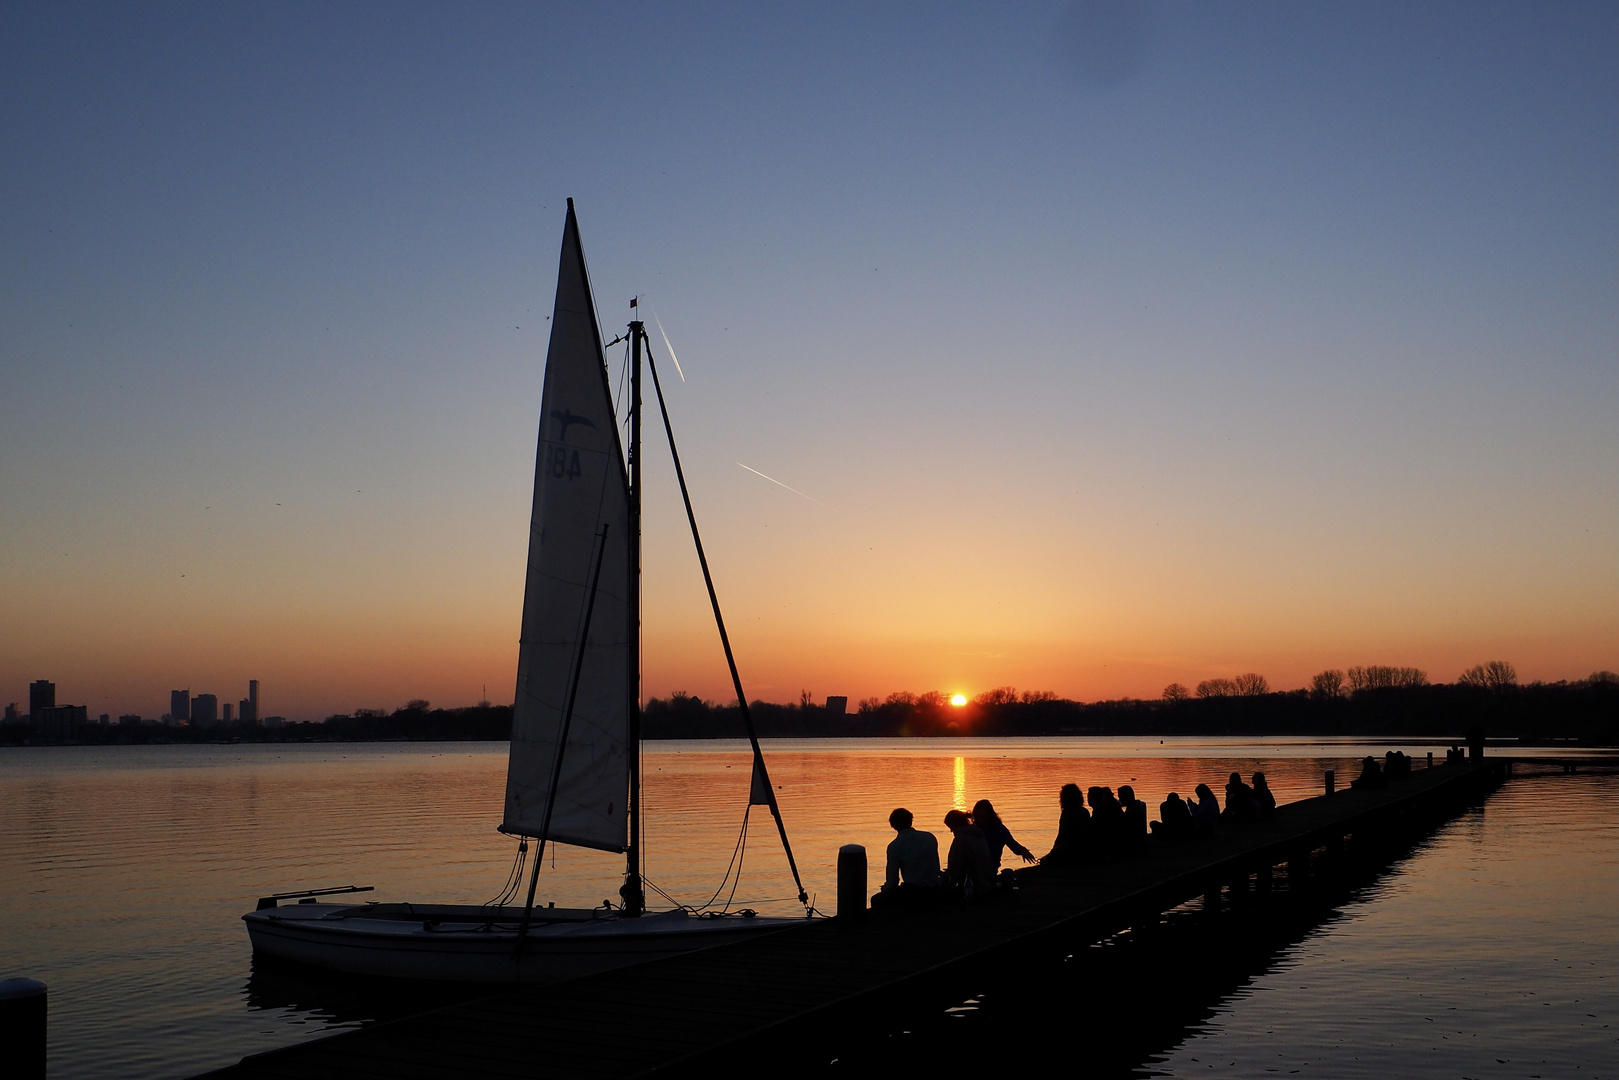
804	987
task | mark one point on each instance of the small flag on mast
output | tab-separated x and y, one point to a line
635	301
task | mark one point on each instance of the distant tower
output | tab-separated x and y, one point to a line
180	706
205	709
251	714
224	712
41	696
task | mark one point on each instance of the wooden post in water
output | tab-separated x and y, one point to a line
22	1028
1430	759
851	881
1332	781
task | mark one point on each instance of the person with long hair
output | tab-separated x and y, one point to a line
1073	829
997	835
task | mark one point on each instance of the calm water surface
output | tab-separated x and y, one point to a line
125	871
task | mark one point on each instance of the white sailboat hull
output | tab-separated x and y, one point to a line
476	945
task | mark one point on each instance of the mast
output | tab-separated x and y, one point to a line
633	895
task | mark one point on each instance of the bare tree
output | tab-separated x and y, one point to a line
933	699
1001	695
1216	688
1380	676
1251	684
1176	692
1029	697
1495	675
1328	684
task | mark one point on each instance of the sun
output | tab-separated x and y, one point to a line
959	700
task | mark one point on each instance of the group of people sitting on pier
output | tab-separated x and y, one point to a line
978	842
1113	828
1396	766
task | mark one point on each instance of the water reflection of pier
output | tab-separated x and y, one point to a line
844	987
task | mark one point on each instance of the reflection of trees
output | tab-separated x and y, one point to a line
1495	675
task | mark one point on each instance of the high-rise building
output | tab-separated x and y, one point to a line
59	723
41	696
224	712
180	706
11	712
250	713
205	709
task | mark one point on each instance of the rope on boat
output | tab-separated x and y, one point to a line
514	878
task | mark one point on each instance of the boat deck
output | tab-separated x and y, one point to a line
809	985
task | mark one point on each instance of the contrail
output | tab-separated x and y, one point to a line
676	359
790	488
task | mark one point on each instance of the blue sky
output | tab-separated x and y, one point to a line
1117	343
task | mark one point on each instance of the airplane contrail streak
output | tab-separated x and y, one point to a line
789	487
668	346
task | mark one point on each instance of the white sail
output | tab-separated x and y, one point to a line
579	486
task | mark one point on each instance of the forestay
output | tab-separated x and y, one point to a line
579	485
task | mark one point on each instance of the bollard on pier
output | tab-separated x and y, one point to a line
1332	781
22	1027
851	880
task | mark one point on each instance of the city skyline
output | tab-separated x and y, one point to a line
1077	347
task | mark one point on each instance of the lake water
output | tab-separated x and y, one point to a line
125	871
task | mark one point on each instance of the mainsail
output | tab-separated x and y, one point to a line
580	485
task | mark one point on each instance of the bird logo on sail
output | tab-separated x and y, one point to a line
567	419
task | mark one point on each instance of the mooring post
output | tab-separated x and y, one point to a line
1332	781
851	880
1430	759
22	1027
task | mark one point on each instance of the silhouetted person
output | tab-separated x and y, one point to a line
1174	819
997	835
1371	777
1396	766
968	865
1239	800
1073	830
1205	812
1475	741
1107	821
1264	797
913	878
1134	811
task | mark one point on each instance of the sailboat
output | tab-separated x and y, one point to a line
573	775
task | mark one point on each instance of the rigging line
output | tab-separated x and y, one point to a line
729	900
562	737
741	838
725	639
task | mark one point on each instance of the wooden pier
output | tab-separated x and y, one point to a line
808	988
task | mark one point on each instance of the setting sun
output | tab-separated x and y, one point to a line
959	700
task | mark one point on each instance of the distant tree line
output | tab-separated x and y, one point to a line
1371	701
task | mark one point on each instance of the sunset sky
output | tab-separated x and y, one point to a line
1108	345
